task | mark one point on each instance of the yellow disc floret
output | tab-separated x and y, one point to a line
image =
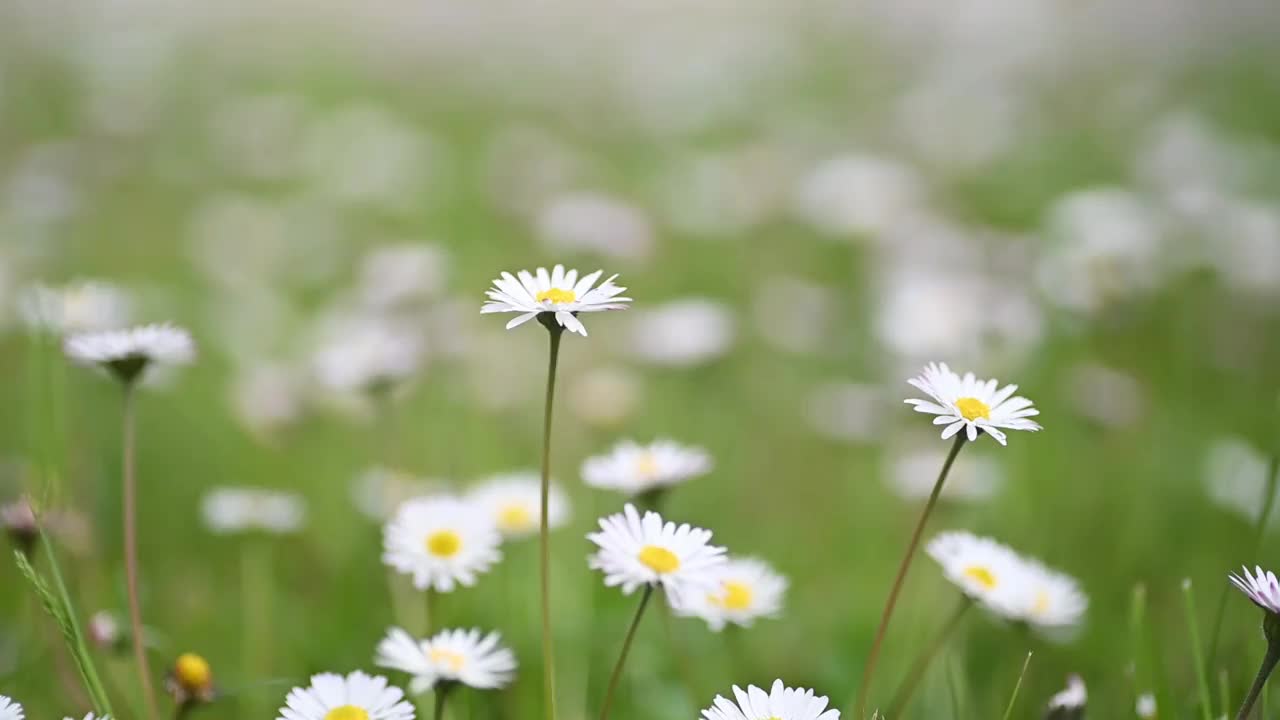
444	543
454	661
557	296
736	596
658	559
515	518
193	673
981	575
973	408
347	712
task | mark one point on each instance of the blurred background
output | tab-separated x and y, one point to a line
807	200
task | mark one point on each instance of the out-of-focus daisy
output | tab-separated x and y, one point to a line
514	502
559	292
355	697
378	491
1145	707
780	703
91	716
604	396
231	510
19	522
912	474
1262	588
404	274
683	333
442	542
1235	475
463	656
127	353
845	411
632	468
986	571
1070	700
595	223
368	355
104	631
973	405
1050	601
635	551
857	195
267	397
748	589
190	680
9	710
1106	396
76	308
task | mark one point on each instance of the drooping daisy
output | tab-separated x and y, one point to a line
748	589
514	502
1262	588
463	656
637	551
973	405
238	510
355	697
10	710
986	571
632	468
127	353
559	293
442	542
780	703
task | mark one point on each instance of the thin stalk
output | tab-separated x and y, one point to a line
622	656
442	694
952	691
1224	692
1264	672
255	599
1197	652
544	530
926	656
687	675
860	703
131	552
430	606
1013	698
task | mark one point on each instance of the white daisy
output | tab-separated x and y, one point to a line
442	542
365	355
127	353
514	502
683	333
1073	697
632	468
1262	588
9	710
231	510
91	716
79	307
635	552
558	292
1050	601
971	404
448	656
1146	705
780	703
355	697
748	589
986	571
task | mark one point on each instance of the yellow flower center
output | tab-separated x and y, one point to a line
192	672
557	296
981	575
454	661
444	543
736	596
973	408
514	518
660	560
646	465
347	712
1041	605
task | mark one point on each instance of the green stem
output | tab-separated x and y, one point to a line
1264	672
622	656
255	598
131	552
868	672
926	656
1197	653
430	606
1013	698
687	675
544	530
442	694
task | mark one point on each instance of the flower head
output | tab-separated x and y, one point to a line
128	353
9	710
190	680
79	307
632	468
1070	700
463	656
514	502
355	697
635	551
442	542
559	294
238	510
1145	707
368	355
104	631
780	703
1261	588
18	520
973	405
748	589
91	716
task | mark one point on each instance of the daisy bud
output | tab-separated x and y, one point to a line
105	632
18	519
190	680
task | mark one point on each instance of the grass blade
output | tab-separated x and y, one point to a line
1197	653
1013	698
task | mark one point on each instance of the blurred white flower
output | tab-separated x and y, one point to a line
780	703
723	194
10	710
75	308
983	119
558	292
1235	475
257	136
912	474
104	631
682	333
128	353
369	355
378	491
393	276
1073	697
604	396
441	542
525	167
635	551
632	468
463	656
514	503
1104	395
845	411
749	589
857	195
1145	707
1244	246
971	405
232	510
795	315
355	697
595	223
267	397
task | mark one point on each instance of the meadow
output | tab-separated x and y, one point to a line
806	203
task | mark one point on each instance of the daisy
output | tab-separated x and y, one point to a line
514	503
1050	601
355	697
237	510
127	353
442	542
91	716
633	469
972	405
190	680
1072	698
1145	707
368	355
450	656
9	710
79	307
557	293
984	570
635	552
1262	588
780	703
748	589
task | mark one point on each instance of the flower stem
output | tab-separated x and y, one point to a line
1264	672
255	600
442	694
687	674
1197	653
622	656
903	696
544	530
874	655
131	552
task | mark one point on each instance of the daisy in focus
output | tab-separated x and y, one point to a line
128	353
355	697
442	542
514	502
238	510
634	469
9	710
748	589
780	703
972	405
635	551
1262	588
450	656
559	294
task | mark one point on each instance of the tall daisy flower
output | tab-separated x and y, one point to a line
355	697
448	658
779	703
1263	589
747	589
442	542
972	405
556	298
513	502
10	710
636	469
